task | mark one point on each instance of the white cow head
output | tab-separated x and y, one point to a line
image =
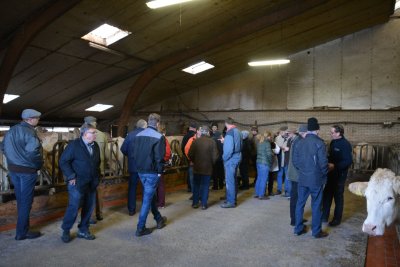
382	193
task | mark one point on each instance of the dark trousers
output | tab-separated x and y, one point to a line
244	173
316	207
132	186
201	185
272	177
24	187
77	199
254	165
161	192
293	201
334	189
218	175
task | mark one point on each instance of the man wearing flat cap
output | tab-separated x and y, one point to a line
311	161
101	140
23	151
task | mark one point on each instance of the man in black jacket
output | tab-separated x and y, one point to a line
80	164
148	153
127	150
23	151
340	159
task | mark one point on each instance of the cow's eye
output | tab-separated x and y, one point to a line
389	198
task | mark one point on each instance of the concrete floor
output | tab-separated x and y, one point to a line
256	233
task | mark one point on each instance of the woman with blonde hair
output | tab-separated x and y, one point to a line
264	163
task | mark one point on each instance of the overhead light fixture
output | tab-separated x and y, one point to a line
59	129
105	35
7	98
162	3
99	107
397	5
268	62
198	67
4	128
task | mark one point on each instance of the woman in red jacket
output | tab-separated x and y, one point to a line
161	183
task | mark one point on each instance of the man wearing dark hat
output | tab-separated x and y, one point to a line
23	151
101	140
311	162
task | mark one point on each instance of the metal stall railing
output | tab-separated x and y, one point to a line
368	157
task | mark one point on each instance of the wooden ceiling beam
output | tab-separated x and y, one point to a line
279	15
24	35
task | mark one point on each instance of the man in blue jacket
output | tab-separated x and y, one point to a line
231	156
310	159
127	150
340	159
80	164
23	152
148	153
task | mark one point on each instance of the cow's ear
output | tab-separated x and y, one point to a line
358	188
396	185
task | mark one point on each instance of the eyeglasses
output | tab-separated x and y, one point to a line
92	132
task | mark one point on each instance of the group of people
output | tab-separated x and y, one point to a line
297	157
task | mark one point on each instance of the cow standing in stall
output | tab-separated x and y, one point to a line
382	193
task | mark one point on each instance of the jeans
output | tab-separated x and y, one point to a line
161	192
201	184
282	177
316	205
132	185
149	182
334	189
231	182
24	187
262	179
293	201
77	199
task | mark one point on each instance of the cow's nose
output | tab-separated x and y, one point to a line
369	229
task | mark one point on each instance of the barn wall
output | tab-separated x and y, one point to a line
356	72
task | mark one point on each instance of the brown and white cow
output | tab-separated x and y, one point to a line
382	193
363	156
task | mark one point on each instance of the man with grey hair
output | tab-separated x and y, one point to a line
203	153
102	141
127	150
148	153
23	152
80	164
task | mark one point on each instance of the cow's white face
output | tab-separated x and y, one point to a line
382	193
381	207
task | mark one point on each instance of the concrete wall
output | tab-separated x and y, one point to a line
357	72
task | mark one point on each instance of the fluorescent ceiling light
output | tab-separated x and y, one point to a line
4	128
198	67
105	35
7	98
397	5
59	129
99	107
162	3
268	62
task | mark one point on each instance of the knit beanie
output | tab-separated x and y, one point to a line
312	124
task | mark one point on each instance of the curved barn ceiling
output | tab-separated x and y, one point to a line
59	74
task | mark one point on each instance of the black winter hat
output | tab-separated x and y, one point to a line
312	124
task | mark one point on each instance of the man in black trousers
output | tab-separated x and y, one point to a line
340	159
80	164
